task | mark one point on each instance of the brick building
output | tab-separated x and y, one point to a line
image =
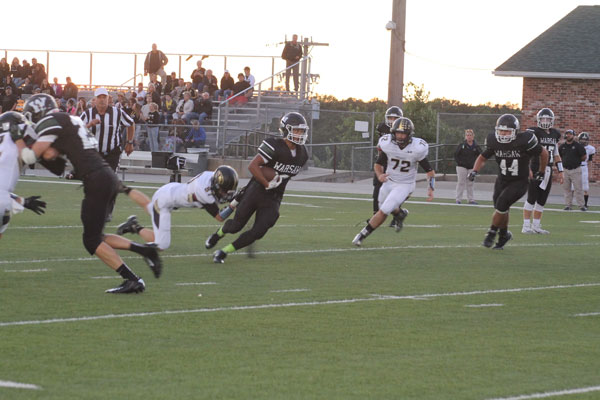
561	70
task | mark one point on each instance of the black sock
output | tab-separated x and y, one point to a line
126	273
140	249
366	231
503	231
586	197
493	228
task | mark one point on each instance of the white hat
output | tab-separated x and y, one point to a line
100	91
226	71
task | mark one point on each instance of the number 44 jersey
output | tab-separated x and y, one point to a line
513	157
401	164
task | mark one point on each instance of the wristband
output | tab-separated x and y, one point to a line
432	183
130	142
226	212
559	166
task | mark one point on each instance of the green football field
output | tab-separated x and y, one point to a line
423	314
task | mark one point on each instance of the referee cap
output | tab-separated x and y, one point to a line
100	91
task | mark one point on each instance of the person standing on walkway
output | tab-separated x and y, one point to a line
465	155
572	154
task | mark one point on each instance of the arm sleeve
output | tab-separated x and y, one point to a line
424	163
212	209
382	159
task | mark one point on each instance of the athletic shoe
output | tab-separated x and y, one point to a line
219	257
357	241
399	219
567	208
153	260
473	202
502	240
211	241
527	230
539	230
458	202
129	286
489	239
130	226
583	209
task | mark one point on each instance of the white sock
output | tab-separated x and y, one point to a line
526	224
536	223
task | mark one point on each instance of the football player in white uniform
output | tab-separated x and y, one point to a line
12	123
203	191
402	153
584	139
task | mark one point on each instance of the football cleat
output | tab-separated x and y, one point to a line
502	240
153	260
211	241
489	238
399	219
527	230
219	257
129	286
130	226
357	241
539	230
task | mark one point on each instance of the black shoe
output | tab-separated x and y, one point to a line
211	241
398	220
153	260
489	239
502	240
583	209
129	286
219	256
130	226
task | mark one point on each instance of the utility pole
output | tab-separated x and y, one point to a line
397	27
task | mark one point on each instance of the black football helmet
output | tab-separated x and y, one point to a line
545	118
38	106
224	183
18	127
289	126
507	122
392	114
584	138
402	125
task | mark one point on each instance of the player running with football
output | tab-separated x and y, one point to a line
205	190
513	151
402	153
286	156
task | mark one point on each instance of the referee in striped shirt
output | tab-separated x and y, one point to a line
107	123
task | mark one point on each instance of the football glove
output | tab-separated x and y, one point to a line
472	175
35	205
538	176
239	194
276	181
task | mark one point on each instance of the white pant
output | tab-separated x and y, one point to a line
462	182
585	183
5	210
392	195
161	219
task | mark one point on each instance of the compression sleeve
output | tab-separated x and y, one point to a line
424	163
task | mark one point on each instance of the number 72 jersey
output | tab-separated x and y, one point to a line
513	157
402	164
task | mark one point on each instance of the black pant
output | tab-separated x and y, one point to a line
507	193
376	187
256	200
112	158
535	194
294	70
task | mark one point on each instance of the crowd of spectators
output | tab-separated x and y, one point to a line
170	101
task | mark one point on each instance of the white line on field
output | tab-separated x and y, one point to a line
17	385
108	277
290	290
27	270
551	394
317	251
305	304
590	222
195	283
484	305
592	314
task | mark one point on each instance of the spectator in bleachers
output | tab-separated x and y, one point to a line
122	102
153	93
146	107
153	120
168	108
155	62
292	53
9	100
46	88
185	106
9	82
248	77
70	90
198	76
171	84
205	107
26	87
38	72
156	83
71	108
4	71
140	94
15	71
26	71
189	88
226	90
177	93
239	87
81	105
210	83
196	136
57	87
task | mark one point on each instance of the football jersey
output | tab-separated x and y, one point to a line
513	157
9	163
278	156
70	137
402	164
549	140
589	151
195	193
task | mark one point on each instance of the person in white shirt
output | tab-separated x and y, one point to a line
402	153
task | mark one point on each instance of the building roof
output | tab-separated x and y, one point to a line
568	49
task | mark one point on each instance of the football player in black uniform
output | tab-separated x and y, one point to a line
286	156
512	151
537	194
59	135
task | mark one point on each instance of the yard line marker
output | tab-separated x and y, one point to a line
17	385
108	277
551	394
484	305
315	251
195	283
290	290
592	314
27	270
304	304
590	222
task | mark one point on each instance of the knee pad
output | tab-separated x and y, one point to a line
91	243
528	206
538	208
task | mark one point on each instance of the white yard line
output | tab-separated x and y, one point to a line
17	385
290	290
591	314
195	283
484	305
304	304
27	270
551	394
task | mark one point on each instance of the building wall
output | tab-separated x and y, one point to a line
576	105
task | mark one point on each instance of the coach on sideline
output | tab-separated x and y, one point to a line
106	123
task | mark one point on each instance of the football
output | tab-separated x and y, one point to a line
268	173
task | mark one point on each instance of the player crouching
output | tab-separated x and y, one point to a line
402	153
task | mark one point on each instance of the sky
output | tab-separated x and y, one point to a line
452	47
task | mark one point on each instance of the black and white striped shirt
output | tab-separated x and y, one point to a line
110	129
